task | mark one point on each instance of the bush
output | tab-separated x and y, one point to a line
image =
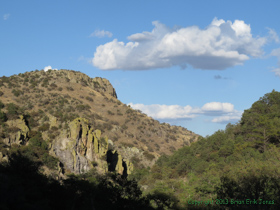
1	93
148	155
3	117
70	88
124	127
53	86
1	105
44	127
49	161
82	107
13	110
110	113
17	92
37	141
89	98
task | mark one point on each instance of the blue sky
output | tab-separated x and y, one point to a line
198	64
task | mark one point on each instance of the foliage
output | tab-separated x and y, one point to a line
2	105
24	187
260	124
89	99
239	162
3	117
12	109
17	92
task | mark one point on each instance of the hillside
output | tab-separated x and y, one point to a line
74	123
236	168
69	133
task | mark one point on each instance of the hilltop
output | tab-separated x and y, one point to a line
79	124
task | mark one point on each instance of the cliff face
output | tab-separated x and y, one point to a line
83	148
79	148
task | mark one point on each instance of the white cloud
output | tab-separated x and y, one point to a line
165	111
221	45
98	33
227	119
276	71
276	52
224	112
217	107
48	67
6	16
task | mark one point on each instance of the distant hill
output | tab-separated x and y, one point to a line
74	123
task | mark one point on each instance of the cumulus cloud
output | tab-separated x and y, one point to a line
101	33
231	118
221	45
6	16
159	111
48	68
222	112
214	107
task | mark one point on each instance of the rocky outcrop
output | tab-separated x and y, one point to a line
99	84
117	163
53	121
19	131
83	145
103	85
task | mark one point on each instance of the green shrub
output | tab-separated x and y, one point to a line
37	141
124	127
1	105
82	107
49	161
53	86
17	92
13	110
44	127
3	117
110	113
70	88
89	98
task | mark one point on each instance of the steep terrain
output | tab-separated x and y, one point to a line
74	123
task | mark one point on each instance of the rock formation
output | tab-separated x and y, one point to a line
83	145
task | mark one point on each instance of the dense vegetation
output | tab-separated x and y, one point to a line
24	187
238	163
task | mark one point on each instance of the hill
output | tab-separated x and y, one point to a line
74	123
235	168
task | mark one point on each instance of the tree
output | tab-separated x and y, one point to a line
263	189
261	123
